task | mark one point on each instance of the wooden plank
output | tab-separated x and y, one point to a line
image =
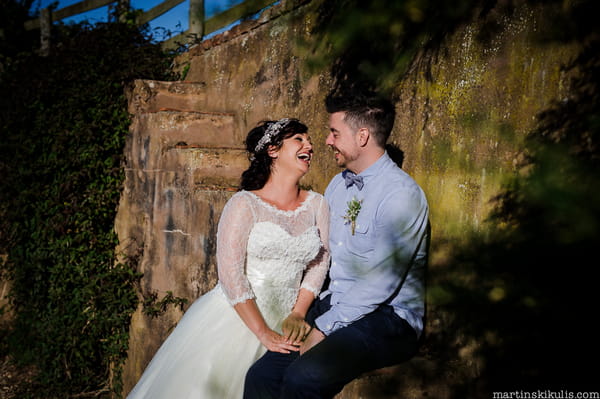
171	43
219	21
69	11
32	24
157	11
241	10
78	8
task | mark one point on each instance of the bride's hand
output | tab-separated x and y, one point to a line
295	329
275	342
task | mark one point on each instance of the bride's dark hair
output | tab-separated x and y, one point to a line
255	177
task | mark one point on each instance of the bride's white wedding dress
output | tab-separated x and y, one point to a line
262	253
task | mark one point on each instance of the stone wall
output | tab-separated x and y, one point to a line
182	164
462	115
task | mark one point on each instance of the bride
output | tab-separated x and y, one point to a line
272	259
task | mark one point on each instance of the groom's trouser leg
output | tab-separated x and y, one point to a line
377	340
264	378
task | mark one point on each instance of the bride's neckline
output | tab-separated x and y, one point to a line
299	208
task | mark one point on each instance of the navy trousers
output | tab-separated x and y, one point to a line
379	339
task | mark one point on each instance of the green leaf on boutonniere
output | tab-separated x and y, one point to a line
352	212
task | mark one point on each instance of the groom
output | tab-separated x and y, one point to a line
371	314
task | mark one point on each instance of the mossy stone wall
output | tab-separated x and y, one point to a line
463	113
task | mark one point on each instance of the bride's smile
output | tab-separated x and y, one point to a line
296	149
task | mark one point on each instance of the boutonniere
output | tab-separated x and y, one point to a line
352	212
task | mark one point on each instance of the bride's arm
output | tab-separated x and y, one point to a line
294	327
234	228
316	270
249	313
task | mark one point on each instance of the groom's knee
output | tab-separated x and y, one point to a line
257	378
263	378
303	378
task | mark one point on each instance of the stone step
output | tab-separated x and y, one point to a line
173	135
153	96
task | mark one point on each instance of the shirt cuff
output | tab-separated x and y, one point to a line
326	325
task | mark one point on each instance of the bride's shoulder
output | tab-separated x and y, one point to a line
314	197
241	198
313	194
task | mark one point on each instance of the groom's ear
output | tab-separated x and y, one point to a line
363	136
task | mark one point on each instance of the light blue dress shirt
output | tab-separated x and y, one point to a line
384	261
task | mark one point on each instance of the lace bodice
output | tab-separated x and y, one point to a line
267	254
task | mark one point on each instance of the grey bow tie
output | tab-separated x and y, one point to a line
350	179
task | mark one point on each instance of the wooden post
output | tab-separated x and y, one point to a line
122	9
45	27
196	19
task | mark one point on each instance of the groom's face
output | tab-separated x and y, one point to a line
342	140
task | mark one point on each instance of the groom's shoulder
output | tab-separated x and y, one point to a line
395	174
399	185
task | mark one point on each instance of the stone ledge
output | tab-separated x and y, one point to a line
410	380
152	95
200	129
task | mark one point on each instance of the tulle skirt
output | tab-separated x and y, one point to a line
206	356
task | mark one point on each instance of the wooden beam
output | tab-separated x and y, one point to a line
171	43
78	8
241	10
69	11
157	11
32	24
219	21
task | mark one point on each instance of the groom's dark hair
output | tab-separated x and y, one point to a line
364	109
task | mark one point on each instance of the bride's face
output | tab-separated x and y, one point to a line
295	153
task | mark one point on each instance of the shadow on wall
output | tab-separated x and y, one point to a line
515	301
507	306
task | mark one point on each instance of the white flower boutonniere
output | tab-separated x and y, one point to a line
352	212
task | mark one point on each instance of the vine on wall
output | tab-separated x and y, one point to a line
63	123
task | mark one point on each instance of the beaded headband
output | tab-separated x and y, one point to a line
272	130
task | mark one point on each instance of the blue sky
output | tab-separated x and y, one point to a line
175	20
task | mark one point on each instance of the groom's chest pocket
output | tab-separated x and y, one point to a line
363	240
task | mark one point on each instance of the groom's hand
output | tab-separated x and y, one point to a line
314	337
295	329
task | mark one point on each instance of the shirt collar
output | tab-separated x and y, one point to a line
375	168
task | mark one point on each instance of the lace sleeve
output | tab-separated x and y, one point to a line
317	269
234	227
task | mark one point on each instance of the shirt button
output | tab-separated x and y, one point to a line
345	319
340	243
334	263
329	326
335	283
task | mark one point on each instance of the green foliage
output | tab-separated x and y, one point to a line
154	307
63	123
13	36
